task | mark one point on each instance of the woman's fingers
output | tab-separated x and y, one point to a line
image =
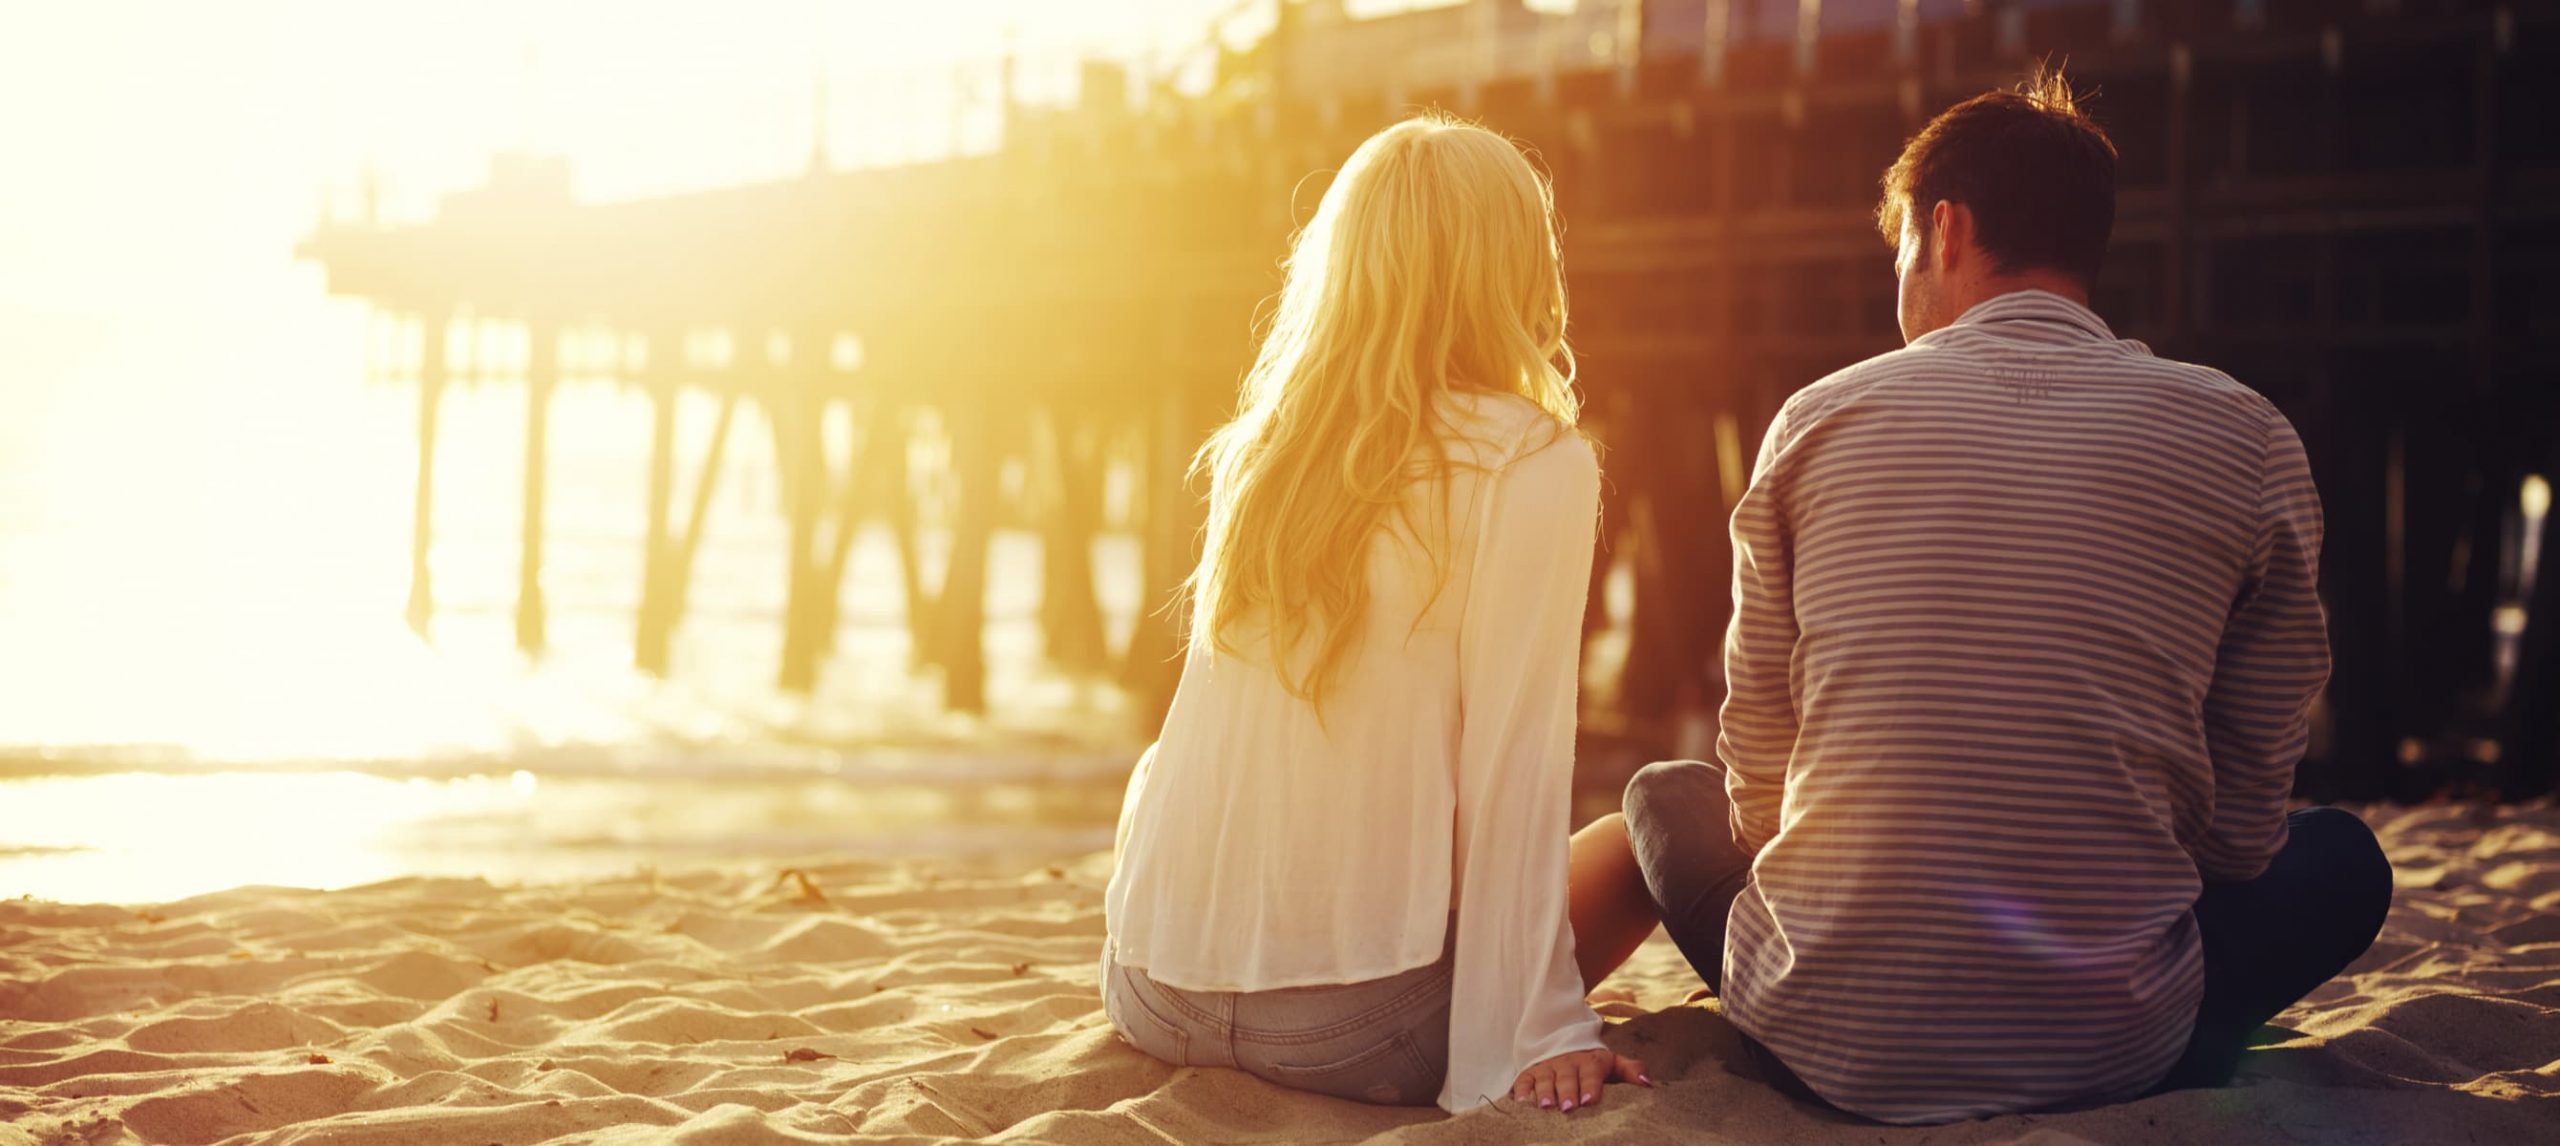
1577	1079
1589	1070
1536	1084
1630	1070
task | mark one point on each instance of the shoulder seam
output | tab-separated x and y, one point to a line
2265	532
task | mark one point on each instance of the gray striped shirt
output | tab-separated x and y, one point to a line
2025	643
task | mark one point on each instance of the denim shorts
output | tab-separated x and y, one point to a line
1382	1041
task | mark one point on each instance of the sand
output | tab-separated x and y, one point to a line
845	1001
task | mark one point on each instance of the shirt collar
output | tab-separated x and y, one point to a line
2036	315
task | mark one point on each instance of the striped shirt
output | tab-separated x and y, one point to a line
2025	640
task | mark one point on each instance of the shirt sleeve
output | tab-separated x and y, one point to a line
1517	996
2273	662
1757	730
1129	798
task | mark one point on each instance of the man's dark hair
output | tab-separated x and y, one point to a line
2039	176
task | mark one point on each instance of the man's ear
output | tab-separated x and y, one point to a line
1953	224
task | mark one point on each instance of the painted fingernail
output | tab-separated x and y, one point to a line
1568	1104
1644	1078
1586	1100
1545	1103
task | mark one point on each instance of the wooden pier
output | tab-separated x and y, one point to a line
2356	213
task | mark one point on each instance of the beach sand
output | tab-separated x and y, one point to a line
841	1001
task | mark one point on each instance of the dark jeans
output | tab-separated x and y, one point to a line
2267	941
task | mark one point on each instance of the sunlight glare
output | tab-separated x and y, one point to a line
140	837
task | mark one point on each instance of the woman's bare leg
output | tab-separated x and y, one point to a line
1612	913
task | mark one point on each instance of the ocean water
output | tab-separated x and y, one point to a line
205	678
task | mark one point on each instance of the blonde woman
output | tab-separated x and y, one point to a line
1342	866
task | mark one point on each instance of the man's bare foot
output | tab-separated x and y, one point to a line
1700	995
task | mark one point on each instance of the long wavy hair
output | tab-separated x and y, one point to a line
1431	265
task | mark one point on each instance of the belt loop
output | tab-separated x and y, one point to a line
1231	999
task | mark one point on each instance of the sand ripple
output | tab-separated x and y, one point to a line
894	1004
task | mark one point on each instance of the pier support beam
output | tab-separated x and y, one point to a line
668	573
887	485
431	382
1679	501
824	501
2531	766
863	423
799	448
658	599
960	615
1070	618
2176	267
649	641
542	375
1679	442
1154	664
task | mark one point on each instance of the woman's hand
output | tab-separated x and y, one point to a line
1574	1078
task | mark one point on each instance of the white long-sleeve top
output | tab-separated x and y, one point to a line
1261	848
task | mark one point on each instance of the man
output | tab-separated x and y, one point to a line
2025	643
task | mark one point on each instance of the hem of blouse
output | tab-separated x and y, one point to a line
1325	979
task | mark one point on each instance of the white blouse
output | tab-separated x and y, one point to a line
1261	849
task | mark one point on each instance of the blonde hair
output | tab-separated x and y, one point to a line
1431	265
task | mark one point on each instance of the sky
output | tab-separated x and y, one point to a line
162	157
204	501
154	145
203	504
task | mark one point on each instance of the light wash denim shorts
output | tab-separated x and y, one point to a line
1383	1041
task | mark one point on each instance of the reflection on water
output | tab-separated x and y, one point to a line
219	578
202	578
148	837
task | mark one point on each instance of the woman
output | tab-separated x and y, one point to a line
1342	866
